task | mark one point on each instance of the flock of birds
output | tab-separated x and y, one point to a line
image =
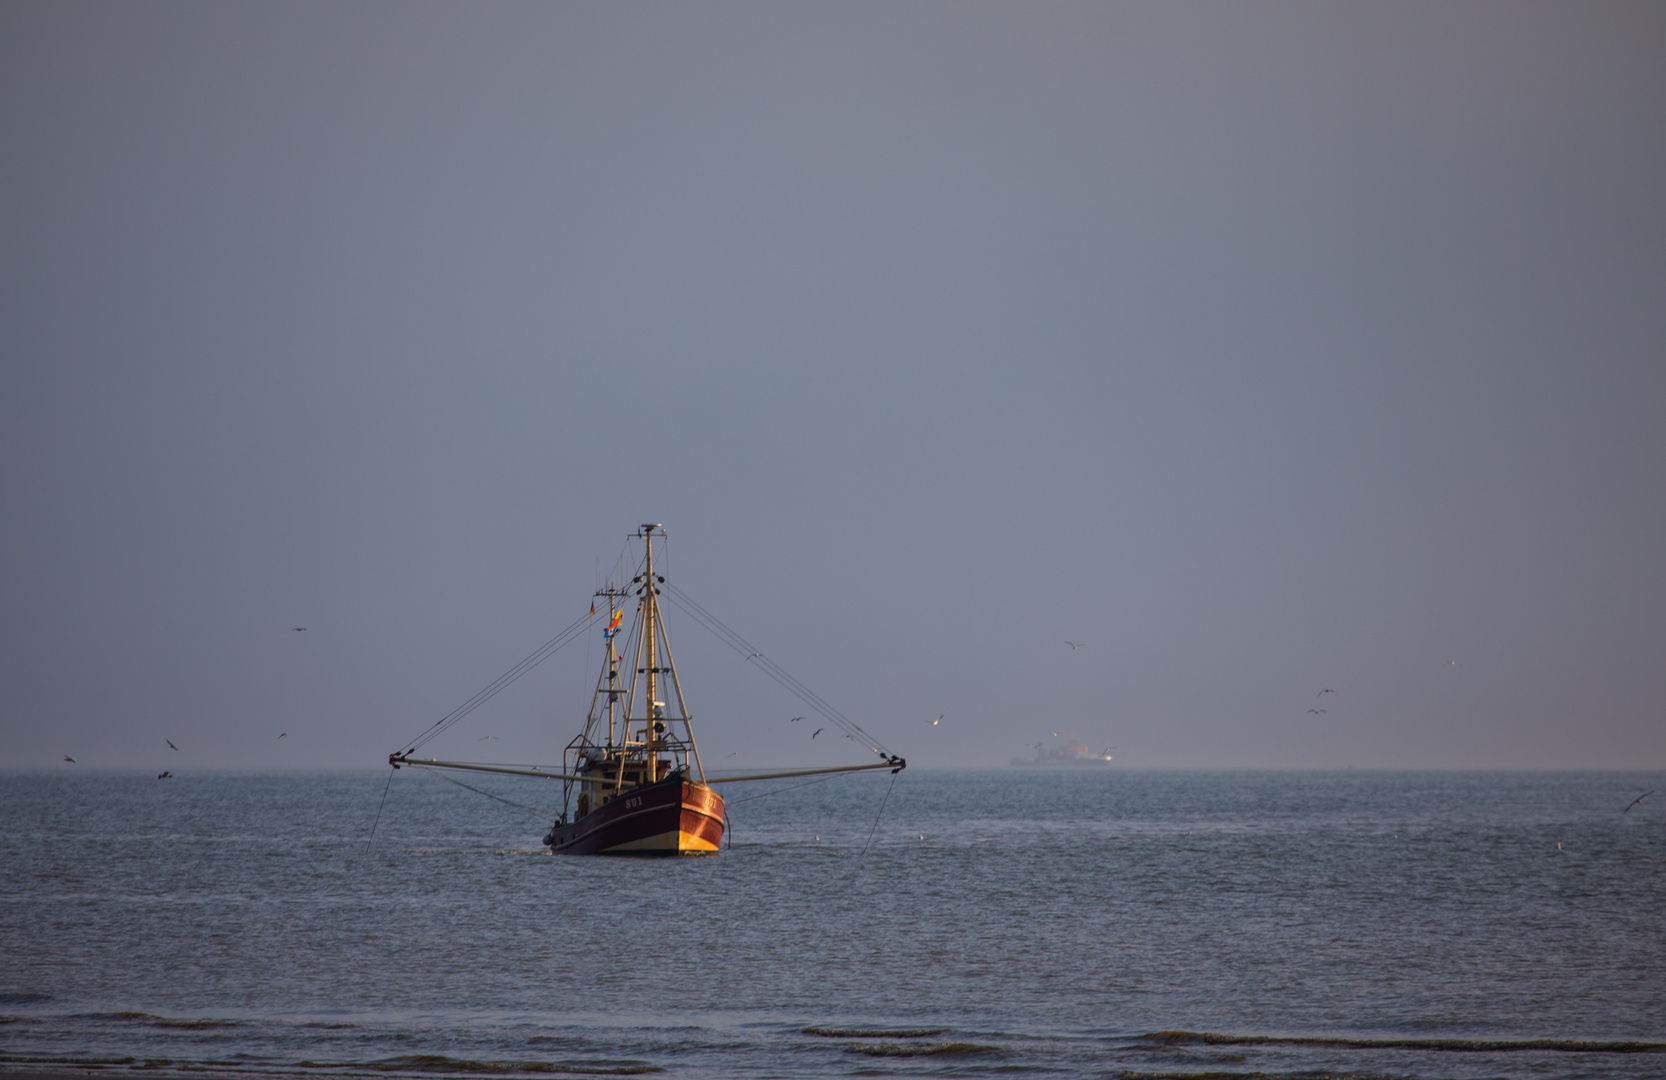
1074	646
166	774
1321	712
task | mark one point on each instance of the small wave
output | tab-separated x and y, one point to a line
875	1033
916	1050
1215	1075
440	1063
24	998
152	1020
73	1062
1572	1046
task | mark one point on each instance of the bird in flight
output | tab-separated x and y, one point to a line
1316	712
69	759
1451	663
756	656
1322	693
735	754
483	738
939	719
816	732
795	720
298	629
1074	645
285	735
170	743
1637	800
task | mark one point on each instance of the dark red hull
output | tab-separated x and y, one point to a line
672	817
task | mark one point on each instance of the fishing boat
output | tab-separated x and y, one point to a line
1063	754
632	779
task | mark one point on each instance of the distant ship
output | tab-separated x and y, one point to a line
641	788
1066	753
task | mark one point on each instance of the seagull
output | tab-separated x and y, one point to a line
1316	712
1074	645
1637	800
735	754
170	743
1451	663
939	719
482	738
1322	693
298	629
816	732
69	759
285	735
756	656
795	720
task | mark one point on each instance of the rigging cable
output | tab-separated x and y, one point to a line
496	686
728	822
694	610
881	813
379	807
790	787
477	791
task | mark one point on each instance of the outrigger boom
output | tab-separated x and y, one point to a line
895	764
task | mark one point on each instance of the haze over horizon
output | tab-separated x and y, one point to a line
1259	349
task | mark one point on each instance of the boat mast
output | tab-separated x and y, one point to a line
652	660
612	687
650	635
682	708
607	681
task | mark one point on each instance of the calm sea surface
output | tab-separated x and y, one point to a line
1004	922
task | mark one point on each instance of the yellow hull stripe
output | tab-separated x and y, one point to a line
667	841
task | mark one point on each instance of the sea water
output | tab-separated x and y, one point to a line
1092	922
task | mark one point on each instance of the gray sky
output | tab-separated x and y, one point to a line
1261	347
